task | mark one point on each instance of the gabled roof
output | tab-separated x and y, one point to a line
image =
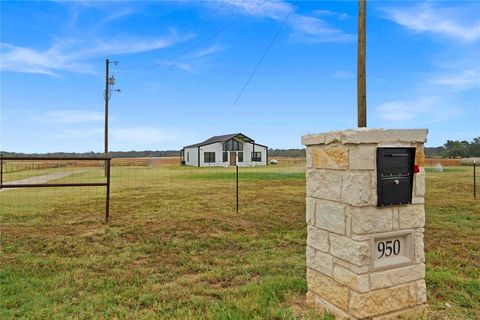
222	138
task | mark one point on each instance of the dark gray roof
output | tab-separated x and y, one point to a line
222	138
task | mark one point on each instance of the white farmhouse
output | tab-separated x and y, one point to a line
227	150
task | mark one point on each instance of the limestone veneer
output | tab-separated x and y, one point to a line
342	220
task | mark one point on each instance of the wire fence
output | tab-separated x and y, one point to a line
461	180
37	185
149	188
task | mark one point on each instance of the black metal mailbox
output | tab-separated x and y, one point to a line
395	170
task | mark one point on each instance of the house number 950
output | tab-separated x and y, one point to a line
387	248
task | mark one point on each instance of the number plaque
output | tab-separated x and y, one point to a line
392	250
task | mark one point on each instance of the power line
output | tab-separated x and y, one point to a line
264	54
193	26
218	32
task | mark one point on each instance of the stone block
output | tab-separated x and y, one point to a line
317	238
310	211
367	220
333	137
420	155
396	222
324	184
310	253
380	280
323	263
330	157
421	291
352	280
418	200
419	184
330	216
414	313
348	225
312	139
389	278
411	216
367	136
327	288
419	246
355	252
357	188
363	305
324	307
341	263
362	157
310	298
361	237
308	156
407	274
359	270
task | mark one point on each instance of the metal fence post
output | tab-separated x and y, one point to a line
107	202
236	172
474	180
1	171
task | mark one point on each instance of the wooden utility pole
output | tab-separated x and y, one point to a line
361	79
107	63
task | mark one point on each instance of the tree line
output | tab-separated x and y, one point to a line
141	154
451	149
456	149
91	154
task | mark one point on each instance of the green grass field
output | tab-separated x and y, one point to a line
176	248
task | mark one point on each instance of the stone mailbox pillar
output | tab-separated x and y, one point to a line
363	261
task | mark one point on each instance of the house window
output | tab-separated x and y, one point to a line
240	157
225	156
188	156
209	157
256	156
232	145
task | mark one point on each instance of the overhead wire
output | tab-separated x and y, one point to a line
193	26
264	55
217	32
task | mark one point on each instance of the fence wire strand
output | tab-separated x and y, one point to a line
161	186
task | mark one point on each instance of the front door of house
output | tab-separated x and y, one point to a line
233	158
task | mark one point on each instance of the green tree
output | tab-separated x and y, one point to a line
462	149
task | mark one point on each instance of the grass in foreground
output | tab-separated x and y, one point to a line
452	244
176	249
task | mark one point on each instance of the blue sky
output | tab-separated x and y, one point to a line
183	64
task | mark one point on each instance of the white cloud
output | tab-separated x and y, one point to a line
305	28
179	65
73	55
419	110
49	62
276	10
459	80
311	29
328	13
207	51
124	12
71	116
453	22
189	62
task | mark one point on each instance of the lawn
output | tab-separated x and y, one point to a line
177	249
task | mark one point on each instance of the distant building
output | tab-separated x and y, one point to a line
227	150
